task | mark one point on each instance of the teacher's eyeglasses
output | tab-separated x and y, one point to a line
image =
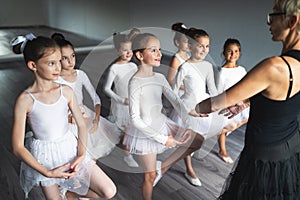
271	15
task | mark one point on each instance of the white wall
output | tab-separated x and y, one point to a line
244	20
22	13
98	19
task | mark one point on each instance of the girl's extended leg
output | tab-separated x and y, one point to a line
101	185
189	167
149	164
181	152
222	138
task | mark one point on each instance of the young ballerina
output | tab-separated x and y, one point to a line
181	56
181	42
119	74
198	77
151	132
53	158
230	74
103	135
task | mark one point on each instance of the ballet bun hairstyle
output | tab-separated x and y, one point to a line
60	39
180	29
194	33
18	43
119	38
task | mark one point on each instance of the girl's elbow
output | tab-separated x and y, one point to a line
17	149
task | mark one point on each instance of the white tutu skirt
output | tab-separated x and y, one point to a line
140	144
119	115
101	142
52	154
206	126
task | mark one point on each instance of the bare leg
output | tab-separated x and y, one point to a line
181	152
149	163
51	192
101	185
222	144
189	167
222	138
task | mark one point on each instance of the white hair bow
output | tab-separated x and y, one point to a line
24	39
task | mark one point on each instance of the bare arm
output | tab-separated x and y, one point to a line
174	65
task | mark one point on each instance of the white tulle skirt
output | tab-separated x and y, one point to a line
119	115
104	139
139	143
52	154
206	126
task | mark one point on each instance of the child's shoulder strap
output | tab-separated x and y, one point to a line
31	95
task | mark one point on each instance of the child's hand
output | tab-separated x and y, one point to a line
63	171
195	114
126	101
75	165
171	142
95	126
187	135
71	119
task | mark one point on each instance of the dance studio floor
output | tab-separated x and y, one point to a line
14	77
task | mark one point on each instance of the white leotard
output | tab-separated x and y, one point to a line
49	121
197	78
229	77
101	142
119	75
53	145
199	84
150	127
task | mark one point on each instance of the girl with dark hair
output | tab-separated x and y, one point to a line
53	158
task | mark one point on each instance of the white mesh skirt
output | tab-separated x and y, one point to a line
206	126
119	114
139	143
52	154
104	139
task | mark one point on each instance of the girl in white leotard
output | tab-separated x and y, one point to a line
230	74
197	76
181	56
54	158
103	135
150	132
119	74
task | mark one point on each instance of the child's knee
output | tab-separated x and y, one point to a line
110	192
150	176
197	142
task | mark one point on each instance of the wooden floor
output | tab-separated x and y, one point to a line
15	77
